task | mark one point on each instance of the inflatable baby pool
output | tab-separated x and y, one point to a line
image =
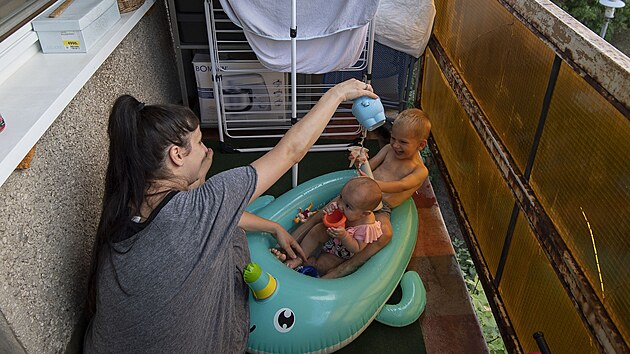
302	314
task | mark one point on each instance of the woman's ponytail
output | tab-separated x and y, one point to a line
139	138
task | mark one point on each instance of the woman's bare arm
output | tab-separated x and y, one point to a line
252	222
296	142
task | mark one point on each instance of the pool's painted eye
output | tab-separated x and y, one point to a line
284	320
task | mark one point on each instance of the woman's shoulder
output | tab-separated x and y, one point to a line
236	183
237	176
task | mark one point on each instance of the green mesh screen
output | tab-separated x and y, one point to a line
536	301
581	176
504	65
484	195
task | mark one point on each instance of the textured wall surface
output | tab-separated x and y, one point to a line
49	213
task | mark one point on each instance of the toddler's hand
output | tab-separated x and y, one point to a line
330	208
357	156
336	232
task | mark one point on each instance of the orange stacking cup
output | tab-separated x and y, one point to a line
334	219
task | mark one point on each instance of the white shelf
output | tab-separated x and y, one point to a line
34	96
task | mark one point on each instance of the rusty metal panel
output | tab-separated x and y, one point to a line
482	191
536	300
504	65
581	176
586	52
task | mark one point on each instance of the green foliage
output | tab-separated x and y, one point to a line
479	300
591	14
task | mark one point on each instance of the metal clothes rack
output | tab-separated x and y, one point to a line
252	102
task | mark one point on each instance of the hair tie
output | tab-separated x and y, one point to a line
140	106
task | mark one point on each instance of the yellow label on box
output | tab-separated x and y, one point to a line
71	43
71	40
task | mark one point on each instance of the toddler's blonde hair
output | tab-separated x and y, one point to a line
415	121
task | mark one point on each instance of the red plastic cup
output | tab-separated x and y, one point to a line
334	219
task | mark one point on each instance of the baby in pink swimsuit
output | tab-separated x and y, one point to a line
358	197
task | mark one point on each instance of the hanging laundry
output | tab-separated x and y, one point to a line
404	25
330	34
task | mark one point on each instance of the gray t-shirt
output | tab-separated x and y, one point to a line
180	287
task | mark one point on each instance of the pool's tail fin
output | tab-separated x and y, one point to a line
411	305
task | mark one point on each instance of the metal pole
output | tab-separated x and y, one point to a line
214	60
293	33
604	27
542	344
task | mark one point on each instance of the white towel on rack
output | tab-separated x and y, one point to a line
407	30
314	56
327	40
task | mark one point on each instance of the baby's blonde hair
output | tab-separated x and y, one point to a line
366	193
415	121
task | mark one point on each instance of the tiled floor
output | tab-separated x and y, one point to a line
448	324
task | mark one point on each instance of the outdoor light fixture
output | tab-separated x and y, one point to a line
609	13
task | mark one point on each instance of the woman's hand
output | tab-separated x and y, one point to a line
253	222
205	164
353	88
288	243
203	170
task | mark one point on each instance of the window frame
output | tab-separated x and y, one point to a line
22	17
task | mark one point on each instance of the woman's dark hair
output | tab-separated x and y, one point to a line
139	139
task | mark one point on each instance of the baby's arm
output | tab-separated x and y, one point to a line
412	180
251	222
371	249
350	243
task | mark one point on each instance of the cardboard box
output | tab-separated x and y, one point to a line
262	93
205	90
81	25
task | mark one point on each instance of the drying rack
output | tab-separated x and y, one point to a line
238	76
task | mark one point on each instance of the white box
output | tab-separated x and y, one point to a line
81	25
252	94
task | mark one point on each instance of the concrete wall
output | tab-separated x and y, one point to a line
49	213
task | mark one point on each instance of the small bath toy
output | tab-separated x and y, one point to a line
303	215
308	270
314	315
334	219
262	284
369	112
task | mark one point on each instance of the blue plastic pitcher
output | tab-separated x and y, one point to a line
369	112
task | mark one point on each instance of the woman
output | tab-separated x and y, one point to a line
170	249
